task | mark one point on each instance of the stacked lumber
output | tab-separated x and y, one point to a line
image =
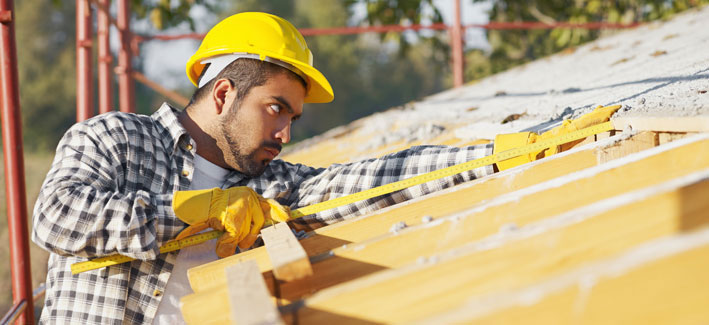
613	231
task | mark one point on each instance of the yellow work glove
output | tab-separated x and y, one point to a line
238	211
515	140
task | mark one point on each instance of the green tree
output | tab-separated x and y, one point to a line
514	47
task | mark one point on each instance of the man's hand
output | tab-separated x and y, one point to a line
515	140
238	211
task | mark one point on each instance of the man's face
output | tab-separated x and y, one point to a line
254	131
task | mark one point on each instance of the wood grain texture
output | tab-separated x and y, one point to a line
244	300
434	205
288	259
445	288
511	211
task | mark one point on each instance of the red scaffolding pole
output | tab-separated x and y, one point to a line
14	165
105	95
126	89
456	35
84	71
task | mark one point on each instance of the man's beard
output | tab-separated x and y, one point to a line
245	162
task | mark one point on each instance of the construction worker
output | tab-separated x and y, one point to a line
127	184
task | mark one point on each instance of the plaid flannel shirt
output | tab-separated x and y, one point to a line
110	191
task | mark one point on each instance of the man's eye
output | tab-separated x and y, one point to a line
275	107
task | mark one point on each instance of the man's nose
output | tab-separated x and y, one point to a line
284	133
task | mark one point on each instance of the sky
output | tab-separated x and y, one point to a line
165	60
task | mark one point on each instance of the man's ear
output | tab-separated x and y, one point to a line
221	91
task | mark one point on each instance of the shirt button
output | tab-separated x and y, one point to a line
188	147
157	293
185	173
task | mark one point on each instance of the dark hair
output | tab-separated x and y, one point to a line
244	74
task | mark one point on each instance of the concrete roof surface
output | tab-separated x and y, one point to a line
657	69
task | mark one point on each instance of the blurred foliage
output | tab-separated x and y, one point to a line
403	12
514	47
167	13
46	45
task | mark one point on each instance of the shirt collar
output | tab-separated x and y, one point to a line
173	132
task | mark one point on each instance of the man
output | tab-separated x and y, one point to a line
127	184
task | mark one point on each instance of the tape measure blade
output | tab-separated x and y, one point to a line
450	171
98	263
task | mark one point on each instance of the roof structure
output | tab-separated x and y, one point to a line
615	230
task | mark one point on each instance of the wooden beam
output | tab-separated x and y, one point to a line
244	300
288	259
515	209
666	137
435	205
445	287
669	288
642	141
663	124
249	299
506	212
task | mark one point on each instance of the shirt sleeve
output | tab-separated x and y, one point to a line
84	207
314	185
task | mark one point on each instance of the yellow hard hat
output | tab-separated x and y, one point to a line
260	36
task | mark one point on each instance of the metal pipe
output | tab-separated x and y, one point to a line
84	70
456	38
39	291
400	28
14	164
105	89
14	313
17	309
126	91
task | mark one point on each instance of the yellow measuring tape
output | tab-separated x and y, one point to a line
367	194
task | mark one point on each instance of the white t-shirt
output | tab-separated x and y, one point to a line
206	175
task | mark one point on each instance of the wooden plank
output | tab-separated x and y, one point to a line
454	282
666	137
663	124
515	209
412	213
288	258
510	211
642	141
244	300
670	289
249	299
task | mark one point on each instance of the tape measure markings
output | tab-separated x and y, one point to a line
366	194
116	259
450	171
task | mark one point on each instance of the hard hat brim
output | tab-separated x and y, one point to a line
320	90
